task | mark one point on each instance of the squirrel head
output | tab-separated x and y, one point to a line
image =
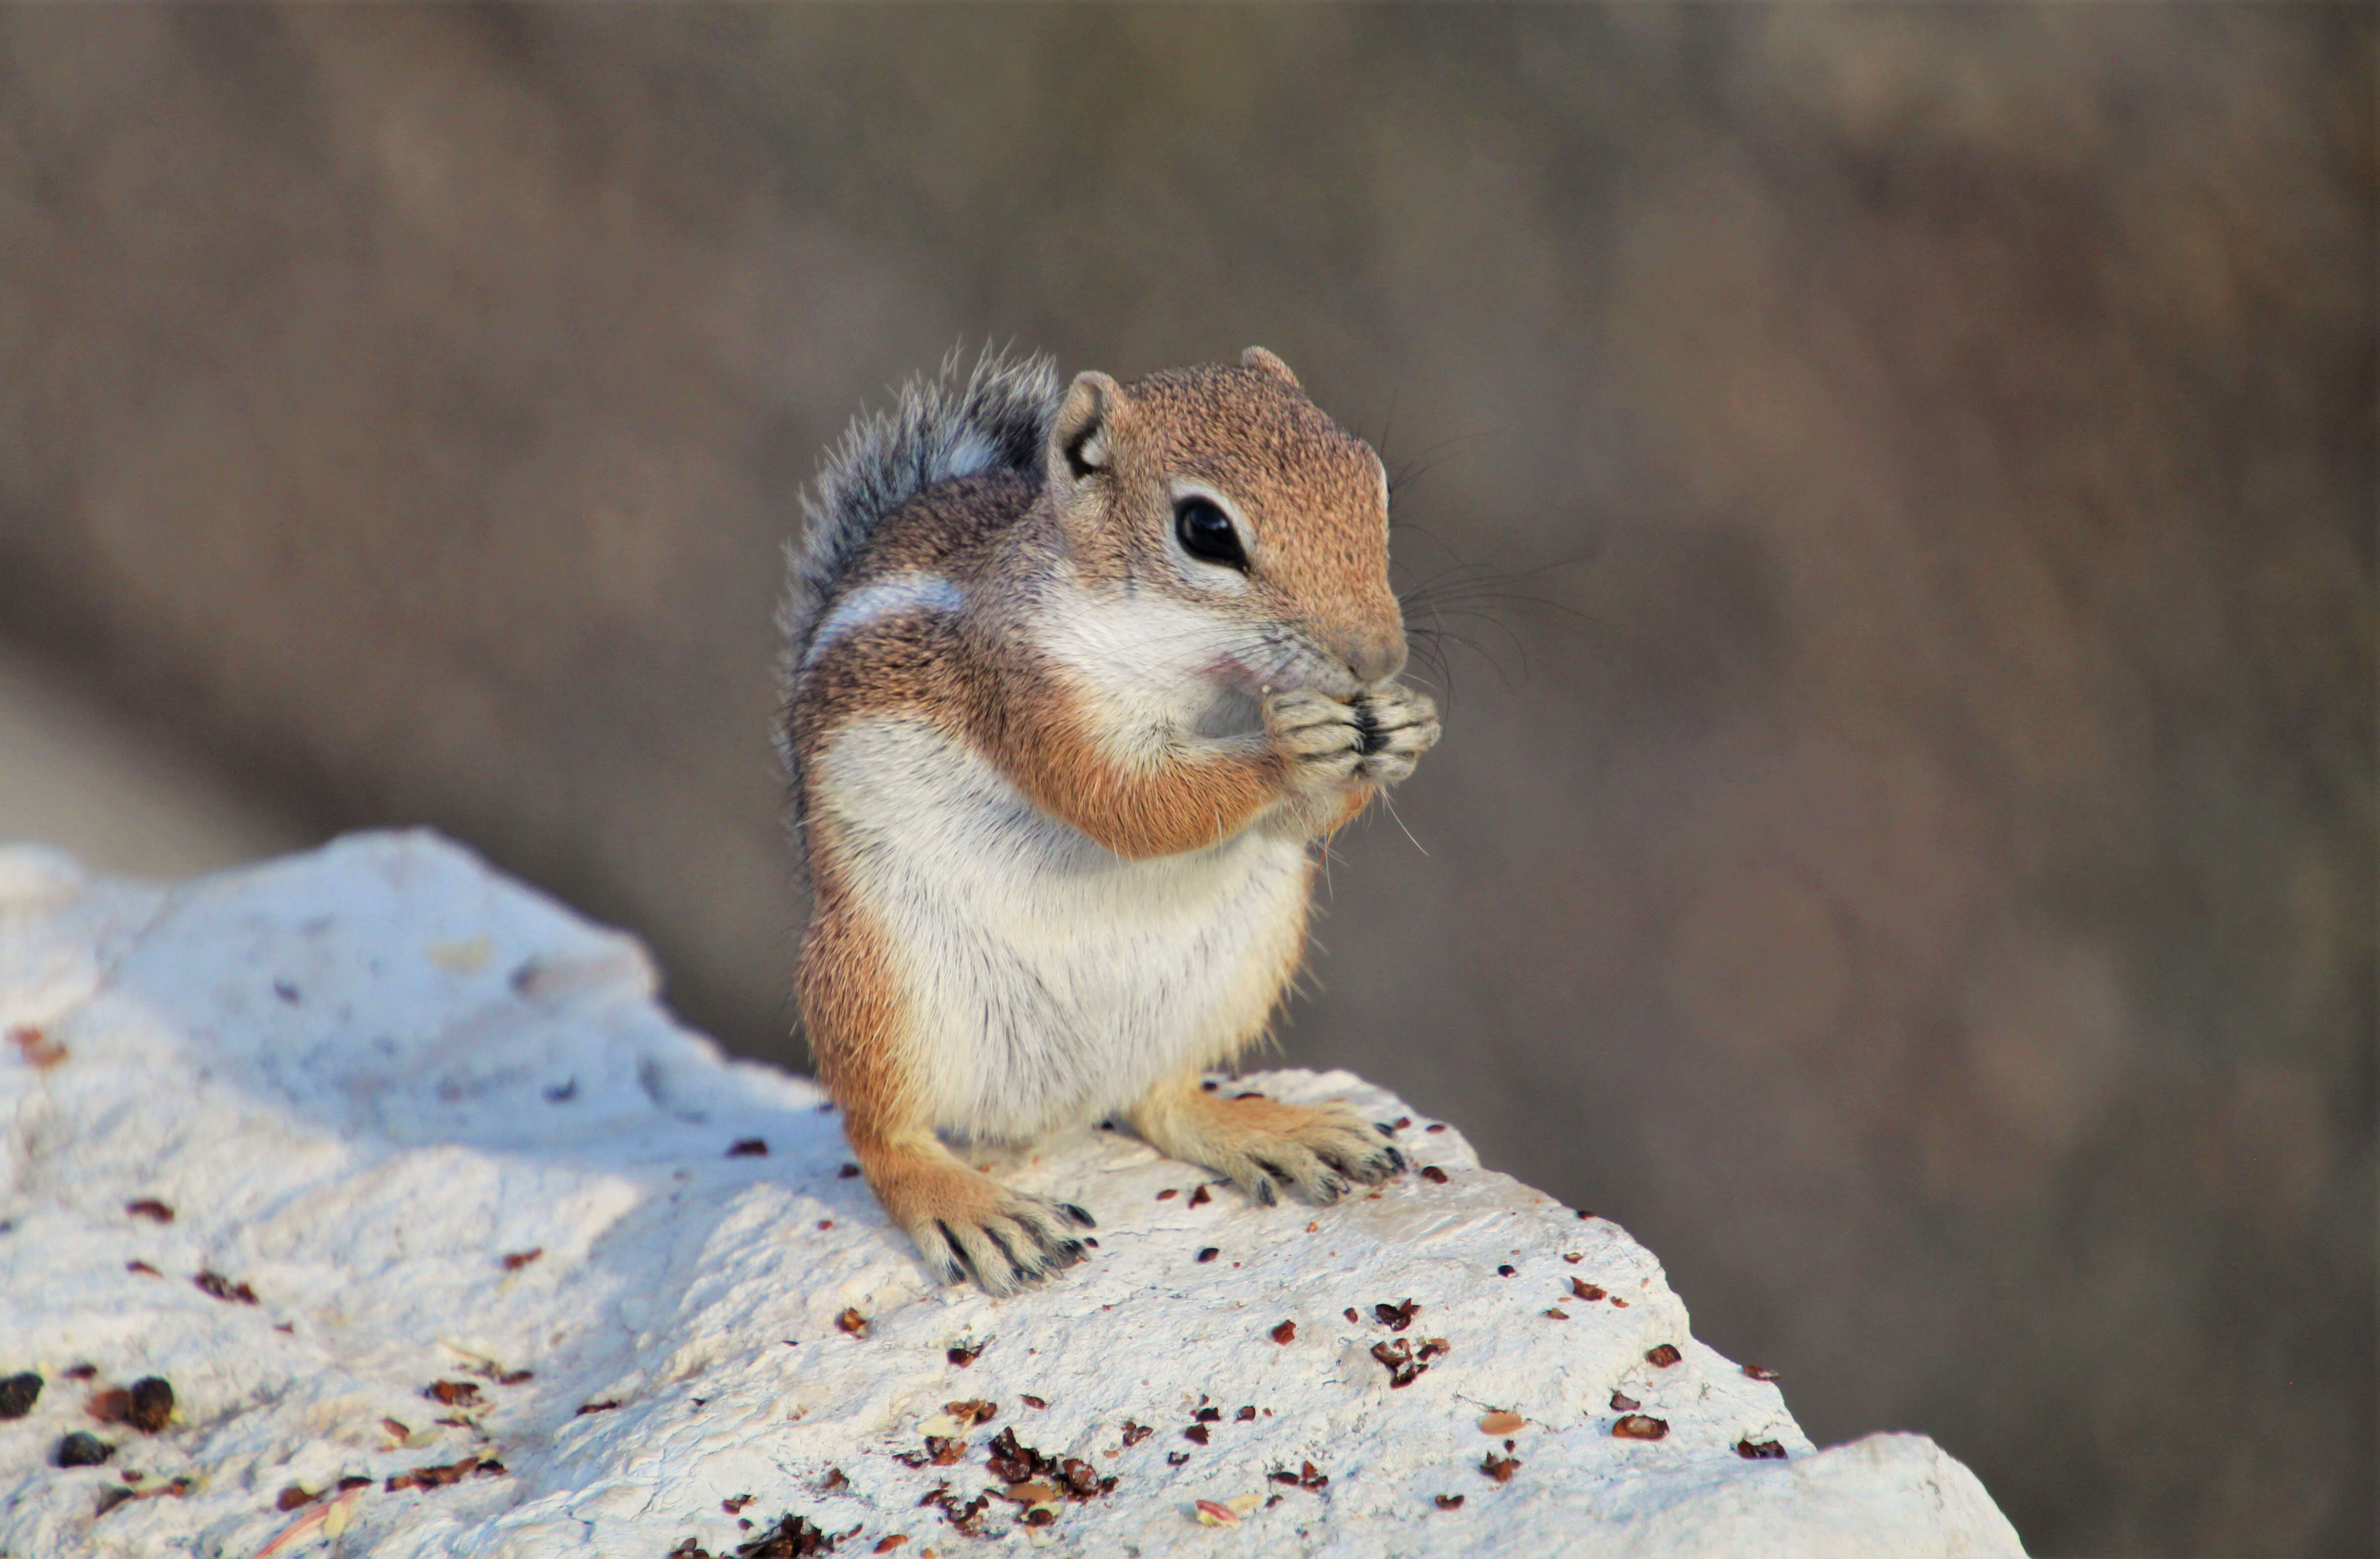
1225	490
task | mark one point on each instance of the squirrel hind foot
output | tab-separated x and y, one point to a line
969	1227
1319	1151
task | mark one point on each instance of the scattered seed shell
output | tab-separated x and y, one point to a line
216	1286
1502	1423
153	1403
1752	1450
150	1208
1500	1469
1639	1426
1663	1356
17	1394
852	1323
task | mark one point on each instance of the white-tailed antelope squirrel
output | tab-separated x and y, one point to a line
1074	682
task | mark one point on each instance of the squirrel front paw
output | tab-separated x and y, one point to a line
1318	740
1399	726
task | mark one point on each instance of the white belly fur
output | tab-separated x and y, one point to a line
1045	979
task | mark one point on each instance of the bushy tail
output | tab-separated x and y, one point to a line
997	419
937	428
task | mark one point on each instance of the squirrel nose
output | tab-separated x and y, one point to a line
1375	657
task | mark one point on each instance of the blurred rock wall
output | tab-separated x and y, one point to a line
1887	497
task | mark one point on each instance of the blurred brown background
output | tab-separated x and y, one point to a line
1903	842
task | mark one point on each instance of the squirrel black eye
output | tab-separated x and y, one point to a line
1206	532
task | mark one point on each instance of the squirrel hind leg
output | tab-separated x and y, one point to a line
1318	1150
966	1225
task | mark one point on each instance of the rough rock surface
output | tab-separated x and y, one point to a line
319	1140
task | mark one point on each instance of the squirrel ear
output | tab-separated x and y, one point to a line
1078	437
1258	358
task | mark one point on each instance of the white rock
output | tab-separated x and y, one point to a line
361	1078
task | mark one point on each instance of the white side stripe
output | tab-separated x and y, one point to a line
886	598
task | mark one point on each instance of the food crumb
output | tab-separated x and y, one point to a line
1285	1333
1198	1197
1209	1254
515	1261
1169	1193
1752	1450
151	1208
852	1323
1760	1372
1663	1356
1639	1426
1434	1174
1449	1501
1500	1469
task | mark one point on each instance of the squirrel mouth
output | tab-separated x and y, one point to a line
1293	673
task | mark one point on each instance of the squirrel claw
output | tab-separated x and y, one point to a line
1003	1244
